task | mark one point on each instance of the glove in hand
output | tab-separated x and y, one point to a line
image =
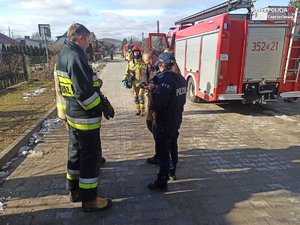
107	108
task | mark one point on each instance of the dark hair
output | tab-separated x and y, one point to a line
75	30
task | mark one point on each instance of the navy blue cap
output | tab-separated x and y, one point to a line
167	58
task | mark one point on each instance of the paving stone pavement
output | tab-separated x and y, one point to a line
238	165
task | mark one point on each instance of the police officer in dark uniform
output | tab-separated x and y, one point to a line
80	88
168	102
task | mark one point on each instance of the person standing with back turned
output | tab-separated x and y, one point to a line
80	88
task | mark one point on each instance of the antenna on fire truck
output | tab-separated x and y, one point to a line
227	6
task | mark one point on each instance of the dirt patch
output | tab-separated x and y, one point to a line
22	106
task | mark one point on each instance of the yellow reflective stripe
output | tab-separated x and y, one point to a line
136	84
72	177
87	186
96	84
64	80
61	106
93	104
84	126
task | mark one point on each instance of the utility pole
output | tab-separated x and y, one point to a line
142	36
47	55
9	31
157	23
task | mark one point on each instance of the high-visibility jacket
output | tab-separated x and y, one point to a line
80	88
129	56
60	101
136	68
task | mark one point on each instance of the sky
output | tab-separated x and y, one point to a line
107	19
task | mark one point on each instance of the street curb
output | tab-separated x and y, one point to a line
9	152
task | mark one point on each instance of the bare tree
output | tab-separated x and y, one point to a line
36	36
294	3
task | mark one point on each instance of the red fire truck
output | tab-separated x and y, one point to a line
227	56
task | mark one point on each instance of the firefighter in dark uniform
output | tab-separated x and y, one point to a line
80	88
168	104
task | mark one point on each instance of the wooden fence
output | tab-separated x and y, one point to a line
13	69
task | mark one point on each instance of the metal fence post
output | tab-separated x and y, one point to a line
26	67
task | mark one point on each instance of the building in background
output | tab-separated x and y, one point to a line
7	41
61	39
30	42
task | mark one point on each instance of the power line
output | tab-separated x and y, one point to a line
129	28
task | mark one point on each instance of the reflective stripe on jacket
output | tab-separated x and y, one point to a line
80	88
60	101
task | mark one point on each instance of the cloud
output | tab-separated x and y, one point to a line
165	4
111	18
53	7
135	12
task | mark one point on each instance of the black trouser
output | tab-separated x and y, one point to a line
166	145
82	162
152	128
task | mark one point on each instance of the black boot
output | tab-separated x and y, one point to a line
172	175
153	160
161	184
102	160
75	196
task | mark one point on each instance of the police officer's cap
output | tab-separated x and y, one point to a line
167	58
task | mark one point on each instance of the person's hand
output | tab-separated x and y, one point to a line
144	85
107	108
151	87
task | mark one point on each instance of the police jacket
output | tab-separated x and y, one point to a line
168	101
80	88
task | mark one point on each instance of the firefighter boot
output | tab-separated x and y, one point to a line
153	160
75	196
102	160
142	112
98	204
161	184
138	112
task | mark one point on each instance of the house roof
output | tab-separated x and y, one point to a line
62	36
7	40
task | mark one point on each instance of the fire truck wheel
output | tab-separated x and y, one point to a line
290	99
191	91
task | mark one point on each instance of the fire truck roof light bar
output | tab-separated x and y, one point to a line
217	10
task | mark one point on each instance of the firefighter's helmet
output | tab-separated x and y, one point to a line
136	52
135	48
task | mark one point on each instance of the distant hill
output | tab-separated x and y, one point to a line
108	41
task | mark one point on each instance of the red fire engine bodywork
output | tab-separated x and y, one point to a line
228	57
